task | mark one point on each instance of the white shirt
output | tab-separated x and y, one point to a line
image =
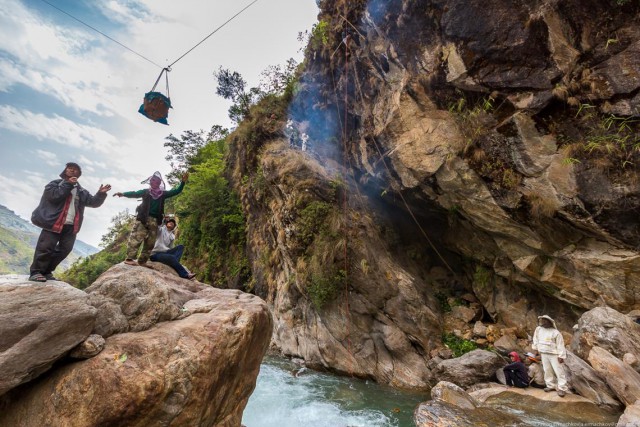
164	240
71	213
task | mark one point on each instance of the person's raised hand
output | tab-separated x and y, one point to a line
185	177
73	179
104	188
117	194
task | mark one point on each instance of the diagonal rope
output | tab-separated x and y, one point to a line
213	32
100	32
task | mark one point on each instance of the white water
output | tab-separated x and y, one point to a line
322	400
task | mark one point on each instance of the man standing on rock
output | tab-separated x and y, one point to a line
548	341
60	214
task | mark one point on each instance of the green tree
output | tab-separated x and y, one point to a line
233	87
183	151
212	226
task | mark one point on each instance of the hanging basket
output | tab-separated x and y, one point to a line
156	105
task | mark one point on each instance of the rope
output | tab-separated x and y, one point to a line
213	32
168	68
100	32
404	201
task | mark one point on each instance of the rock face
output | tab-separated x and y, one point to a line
622	378
453	136
39	324
194	362
608	329
631	416
471	368
587	383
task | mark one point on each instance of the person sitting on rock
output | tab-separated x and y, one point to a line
548	341
536	374
149	215
515	373
166	253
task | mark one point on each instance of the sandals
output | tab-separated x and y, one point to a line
37	277
191	276
50	277
130	261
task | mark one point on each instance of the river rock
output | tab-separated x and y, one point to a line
631	416
479	329
608	329
545	408
587	383
198	370
506	344
39	324
448	392
466	314
470	368
436	413
622	378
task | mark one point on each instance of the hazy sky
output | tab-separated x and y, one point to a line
69	94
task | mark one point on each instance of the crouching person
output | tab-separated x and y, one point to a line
515	373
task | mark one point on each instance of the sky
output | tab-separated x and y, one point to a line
69	94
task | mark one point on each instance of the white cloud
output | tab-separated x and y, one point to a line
103	84
57	129
50	158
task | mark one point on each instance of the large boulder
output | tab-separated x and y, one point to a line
199	369
496	405
587	383
131	299
608	329
470	368
622	378
39	324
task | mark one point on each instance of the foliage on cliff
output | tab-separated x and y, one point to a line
84	271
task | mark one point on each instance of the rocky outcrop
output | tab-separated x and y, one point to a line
39	324
608	329
498	405
193	358
464	136
586	382
623	380
471	368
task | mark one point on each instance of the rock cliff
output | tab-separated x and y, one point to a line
443	149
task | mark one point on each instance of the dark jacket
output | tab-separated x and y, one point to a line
520	370
54	205
152	207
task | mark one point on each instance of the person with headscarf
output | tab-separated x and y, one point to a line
548	341
149	215
60	214
515	373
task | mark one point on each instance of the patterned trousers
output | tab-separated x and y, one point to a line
144	233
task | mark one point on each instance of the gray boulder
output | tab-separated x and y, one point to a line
468	369
39	324
587	383
622	378
608	329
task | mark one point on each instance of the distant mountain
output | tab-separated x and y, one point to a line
18	239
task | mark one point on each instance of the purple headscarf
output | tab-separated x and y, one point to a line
156	185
